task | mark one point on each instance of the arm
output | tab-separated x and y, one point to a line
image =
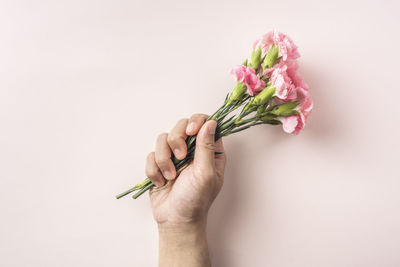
185	245
180	202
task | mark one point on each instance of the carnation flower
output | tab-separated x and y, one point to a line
282	82
295	123
238	72
306	104
249	77
253	82
287	49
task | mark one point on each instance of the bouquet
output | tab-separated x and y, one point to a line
268	90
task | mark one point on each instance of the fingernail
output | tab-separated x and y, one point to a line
190	127
212	128
177	152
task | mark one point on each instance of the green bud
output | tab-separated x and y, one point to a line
245	63
256	58
238	92
286	109
270	119
265	96
271	58
261	109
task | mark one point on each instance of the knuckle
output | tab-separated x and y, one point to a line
208	145
174	137
160	161
151	172
183	120
150	156
199	116
163	162
204	116
162	136
195	115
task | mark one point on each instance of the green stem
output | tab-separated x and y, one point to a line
138	194
244	127
127	192
136	187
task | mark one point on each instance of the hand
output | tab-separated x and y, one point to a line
188	195
180	206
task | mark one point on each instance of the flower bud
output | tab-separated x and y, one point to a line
286	109
256	58
261	109
265	96
270	119
238	92
271	58
245	62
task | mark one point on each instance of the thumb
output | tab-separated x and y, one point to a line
204	156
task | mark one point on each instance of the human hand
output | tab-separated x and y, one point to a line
188	195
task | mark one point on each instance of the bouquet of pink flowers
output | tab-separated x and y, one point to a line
268	90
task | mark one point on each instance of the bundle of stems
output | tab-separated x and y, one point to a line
261	114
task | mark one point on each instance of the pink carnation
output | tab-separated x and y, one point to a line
249	77
286	79
287	49
254	84
295	123
282	82
238	72
306	104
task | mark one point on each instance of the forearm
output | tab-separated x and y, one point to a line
183	245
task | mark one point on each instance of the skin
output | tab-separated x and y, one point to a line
180	201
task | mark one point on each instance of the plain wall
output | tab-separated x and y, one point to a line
86	87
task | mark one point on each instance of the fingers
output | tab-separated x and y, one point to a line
204	157
176	139
163	157
152	170
160	165
195	123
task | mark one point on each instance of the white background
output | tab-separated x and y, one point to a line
86	87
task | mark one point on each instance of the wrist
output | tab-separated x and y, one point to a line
182	243
183	234
182	227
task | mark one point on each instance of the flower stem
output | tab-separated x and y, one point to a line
147	187
127	192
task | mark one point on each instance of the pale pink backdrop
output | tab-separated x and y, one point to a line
86	86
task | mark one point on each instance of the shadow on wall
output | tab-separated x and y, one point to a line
325	122
325	128
227	207
233	207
